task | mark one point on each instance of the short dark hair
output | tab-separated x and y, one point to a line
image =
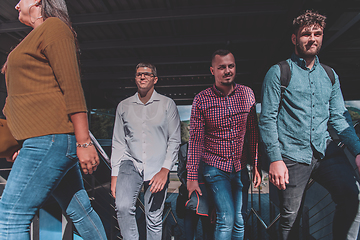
308	18
220	52
148	65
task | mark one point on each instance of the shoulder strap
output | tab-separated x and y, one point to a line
285	75
329	72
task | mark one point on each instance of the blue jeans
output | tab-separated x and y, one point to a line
128	187
230	194
46	165
336	175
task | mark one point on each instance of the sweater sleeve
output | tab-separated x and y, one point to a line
61	53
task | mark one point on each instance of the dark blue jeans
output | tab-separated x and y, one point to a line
230	194
335	174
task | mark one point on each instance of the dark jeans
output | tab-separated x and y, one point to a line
335	174
191	220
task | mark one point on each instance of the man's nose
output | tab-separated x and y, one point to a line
312	37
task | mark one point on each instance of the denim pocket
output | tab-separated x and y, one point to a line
211	174
71	147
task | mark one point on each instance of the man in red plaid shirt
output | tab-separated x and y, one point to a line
224	136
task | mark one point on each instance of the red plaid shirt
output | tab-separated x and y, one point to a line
218	127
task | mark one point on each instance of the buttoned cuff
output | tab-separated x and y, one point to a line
192	176
168	164
275	156
115	170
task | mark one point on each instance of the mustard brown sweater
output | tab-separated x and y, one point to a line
43	82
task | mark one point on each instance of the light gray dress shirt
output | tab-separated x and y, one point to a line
147	134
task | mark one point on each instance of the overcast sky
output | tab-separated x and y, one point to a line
354	103
184	111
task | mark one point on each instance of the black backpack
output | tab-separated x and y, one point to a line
285	74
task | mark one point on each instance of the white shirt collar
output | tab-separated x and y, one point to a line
154	97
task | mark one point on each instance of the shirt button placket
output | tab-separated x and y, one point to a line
143	135
312	97
231	128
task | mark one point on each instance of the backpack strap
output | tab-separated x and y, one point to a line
285	75
329	72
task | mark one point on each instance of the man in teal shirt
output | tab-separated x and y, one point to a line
294	128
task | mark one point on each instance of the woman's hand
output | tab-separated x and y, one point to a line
88	159
14	156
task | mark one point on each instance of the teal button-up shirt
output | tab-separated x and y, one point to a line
291	128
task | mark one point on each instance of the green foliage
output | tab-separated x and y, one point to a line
185	125
354	113
102	123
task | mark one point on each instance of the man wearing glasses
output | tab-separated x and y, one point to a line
145	145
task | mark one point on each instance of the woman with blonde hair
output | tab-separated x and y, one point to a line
46	109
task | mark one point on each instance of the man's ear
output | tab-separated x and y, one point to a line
293	39
212	70
155	80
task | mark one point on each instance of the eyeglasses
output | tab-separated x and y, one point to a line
146	74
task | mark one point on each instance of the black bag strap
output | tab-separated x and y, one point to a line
329	72
285	74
